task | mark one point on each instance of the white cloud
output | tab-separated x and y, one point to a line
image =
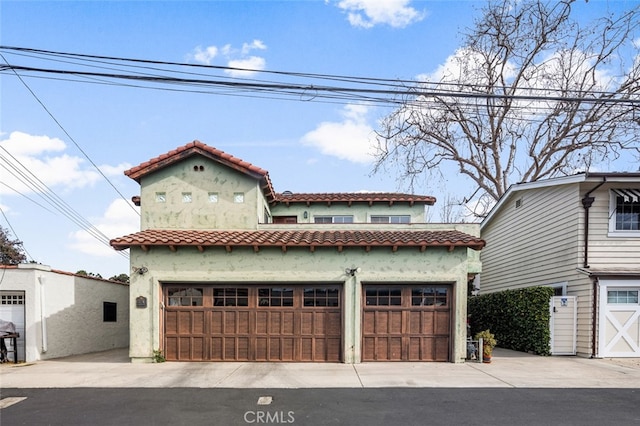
254	45
119	219
368	13
118	170
206	55
348	139
26	165
249	66
233	57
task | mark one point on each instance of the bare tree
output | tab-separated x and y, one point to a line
531	94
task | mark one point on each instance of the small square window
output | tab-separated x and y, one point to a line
213	197
238	197
186	197
161	197
109	312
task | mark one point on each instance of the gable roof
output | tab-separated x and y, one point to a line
563	180
311	239
198	148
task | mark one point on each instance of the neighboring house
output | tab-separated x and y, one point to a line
581	235
226	269
59	314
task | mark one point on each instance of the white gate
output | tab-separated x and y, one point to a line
619	318
563	325
12	310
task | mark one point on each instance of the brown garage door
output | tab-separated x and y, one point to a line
256	323
406	323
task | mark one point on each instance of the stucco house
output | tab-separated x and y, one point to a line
226	269
58	313
581	235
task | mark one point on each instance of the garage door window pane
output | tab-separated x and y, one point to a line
181	296
384	296
231	297
275	297
321	297
622	296
429	296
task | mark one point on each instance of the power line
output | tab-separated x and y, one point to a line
374	90
16	235
24	175
69	136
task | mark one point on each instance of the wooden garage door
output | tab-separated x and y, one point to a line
406	323
257	323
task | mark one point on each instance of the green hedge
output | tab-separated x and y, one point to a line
518	318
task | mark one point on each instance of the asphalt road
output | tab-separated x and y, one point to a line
343	406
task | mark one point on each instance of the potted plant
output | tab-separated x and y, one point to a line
488	343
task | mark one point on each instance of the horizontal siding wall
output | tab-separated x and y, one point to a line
534	244
607	251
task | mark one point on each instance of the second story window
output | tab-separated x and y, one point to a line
186	197
624	217
161	197
391	219
333	219
238	197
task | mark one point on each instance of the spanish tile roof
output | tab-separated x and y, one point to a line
289	239
197	147
354	197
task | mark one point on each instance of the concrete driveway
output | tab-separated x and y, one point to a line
509	369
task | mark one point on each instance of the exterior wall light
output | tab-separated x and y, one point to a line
352	271
141	270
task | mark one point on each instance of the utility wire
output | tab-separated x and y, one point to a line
327	91
29	179
378	90
16	235
69	136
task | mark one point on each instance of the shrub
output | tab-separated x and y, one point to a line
518	318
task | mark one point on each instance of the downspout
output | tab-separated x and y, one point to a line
594	323
43	318
587	202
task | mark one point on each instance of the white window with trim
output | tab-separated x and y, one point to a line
405	218
624	212
333	219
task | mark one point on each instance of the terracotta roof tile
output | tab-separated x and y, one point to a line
284	239
350	197
197	147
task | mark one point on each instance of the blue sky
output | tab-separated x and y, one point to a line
307	146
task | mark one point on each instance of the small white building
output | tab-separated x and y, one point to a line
59	314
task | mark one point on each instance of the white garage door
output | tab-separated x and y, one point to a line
619	318
12	310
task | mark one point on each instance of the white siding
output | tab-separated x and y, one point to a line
534	244
605	251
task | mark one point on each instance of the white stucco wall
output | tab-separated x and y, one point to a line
67	311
